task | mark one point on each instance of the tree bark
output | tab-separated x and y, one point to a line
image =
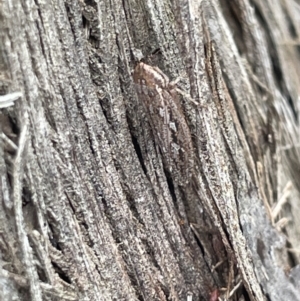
93	206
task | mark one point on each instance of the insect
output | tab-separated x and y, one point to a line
167	121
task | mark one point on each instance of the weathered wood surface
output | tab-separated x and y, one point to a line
89	208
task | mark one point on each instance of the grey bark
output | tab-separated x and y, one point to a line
88	210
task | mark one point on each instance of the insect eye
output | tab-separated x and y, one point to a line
150	93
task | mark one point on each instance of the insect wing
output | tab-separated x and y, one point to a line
167	120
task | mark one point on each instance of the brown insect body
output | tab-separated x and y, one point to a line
167	120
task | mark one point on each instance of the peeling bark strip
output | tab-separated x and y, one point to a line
167	120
